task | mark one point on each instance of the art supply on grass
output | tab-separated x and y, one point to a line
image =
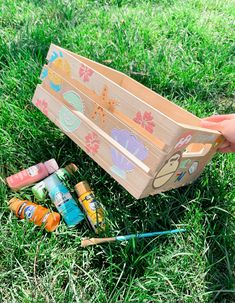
65	173
39	190
35	213
63	201
91	206
94	241
32	174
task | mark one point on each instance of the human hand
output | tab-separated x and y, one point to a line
226	125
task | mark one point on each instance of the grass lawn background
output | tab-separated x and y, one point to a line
181	49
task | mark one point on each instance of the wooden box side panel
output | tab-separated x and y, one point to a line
130	176
76	72
106	103
108	72
106	120
160	103
185	162
168	108
185	119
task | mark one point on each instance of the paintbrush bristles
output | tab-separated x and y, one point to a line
94	241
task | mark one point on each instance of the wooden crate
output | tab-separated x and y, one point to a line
145	142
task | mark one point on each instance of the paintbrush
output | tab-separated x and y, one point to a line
94	241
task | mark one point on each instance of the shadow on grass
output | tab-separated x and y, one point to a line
166	211
161	212
219	237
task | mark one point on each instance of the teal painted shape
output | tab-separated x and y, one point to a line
70	122
44	73
74	99
55	87
118	171
184	163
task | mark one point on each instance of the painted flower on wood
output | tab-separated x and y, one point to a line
85	72
42	105
145	120
92	143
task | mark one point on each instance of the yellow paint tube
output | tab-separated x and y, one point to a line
91	206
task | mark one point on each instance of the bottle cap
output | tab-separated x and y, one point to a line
14	199
71	168
15	204
62	173
51	166
82	187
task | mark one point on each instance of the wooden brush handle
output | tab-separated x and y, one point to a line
94	241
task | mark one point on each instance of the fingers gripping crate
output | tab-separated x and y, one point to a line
145	142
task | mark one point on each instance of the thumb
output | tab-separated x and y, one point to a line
211	125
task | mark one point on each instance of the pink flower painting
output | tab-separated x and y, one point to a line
85	72
92	143
145	120
42	105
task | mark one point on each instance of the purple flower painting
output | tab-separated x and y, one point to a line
133	145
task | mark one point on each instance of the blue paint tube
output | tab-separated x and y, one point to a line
63	201
39	190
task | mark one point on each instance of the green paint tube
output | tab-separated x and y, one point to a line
39	191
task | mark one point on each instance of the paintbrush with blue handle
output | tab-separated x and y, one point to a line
94	241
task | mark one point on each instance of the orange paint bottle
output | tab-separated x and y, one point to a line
35	213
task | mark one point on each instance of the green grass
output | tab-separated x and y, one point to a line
184	51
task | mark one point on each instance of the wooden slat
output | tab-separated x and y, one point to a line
136	179
165	128
155	155
148	96
123	118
